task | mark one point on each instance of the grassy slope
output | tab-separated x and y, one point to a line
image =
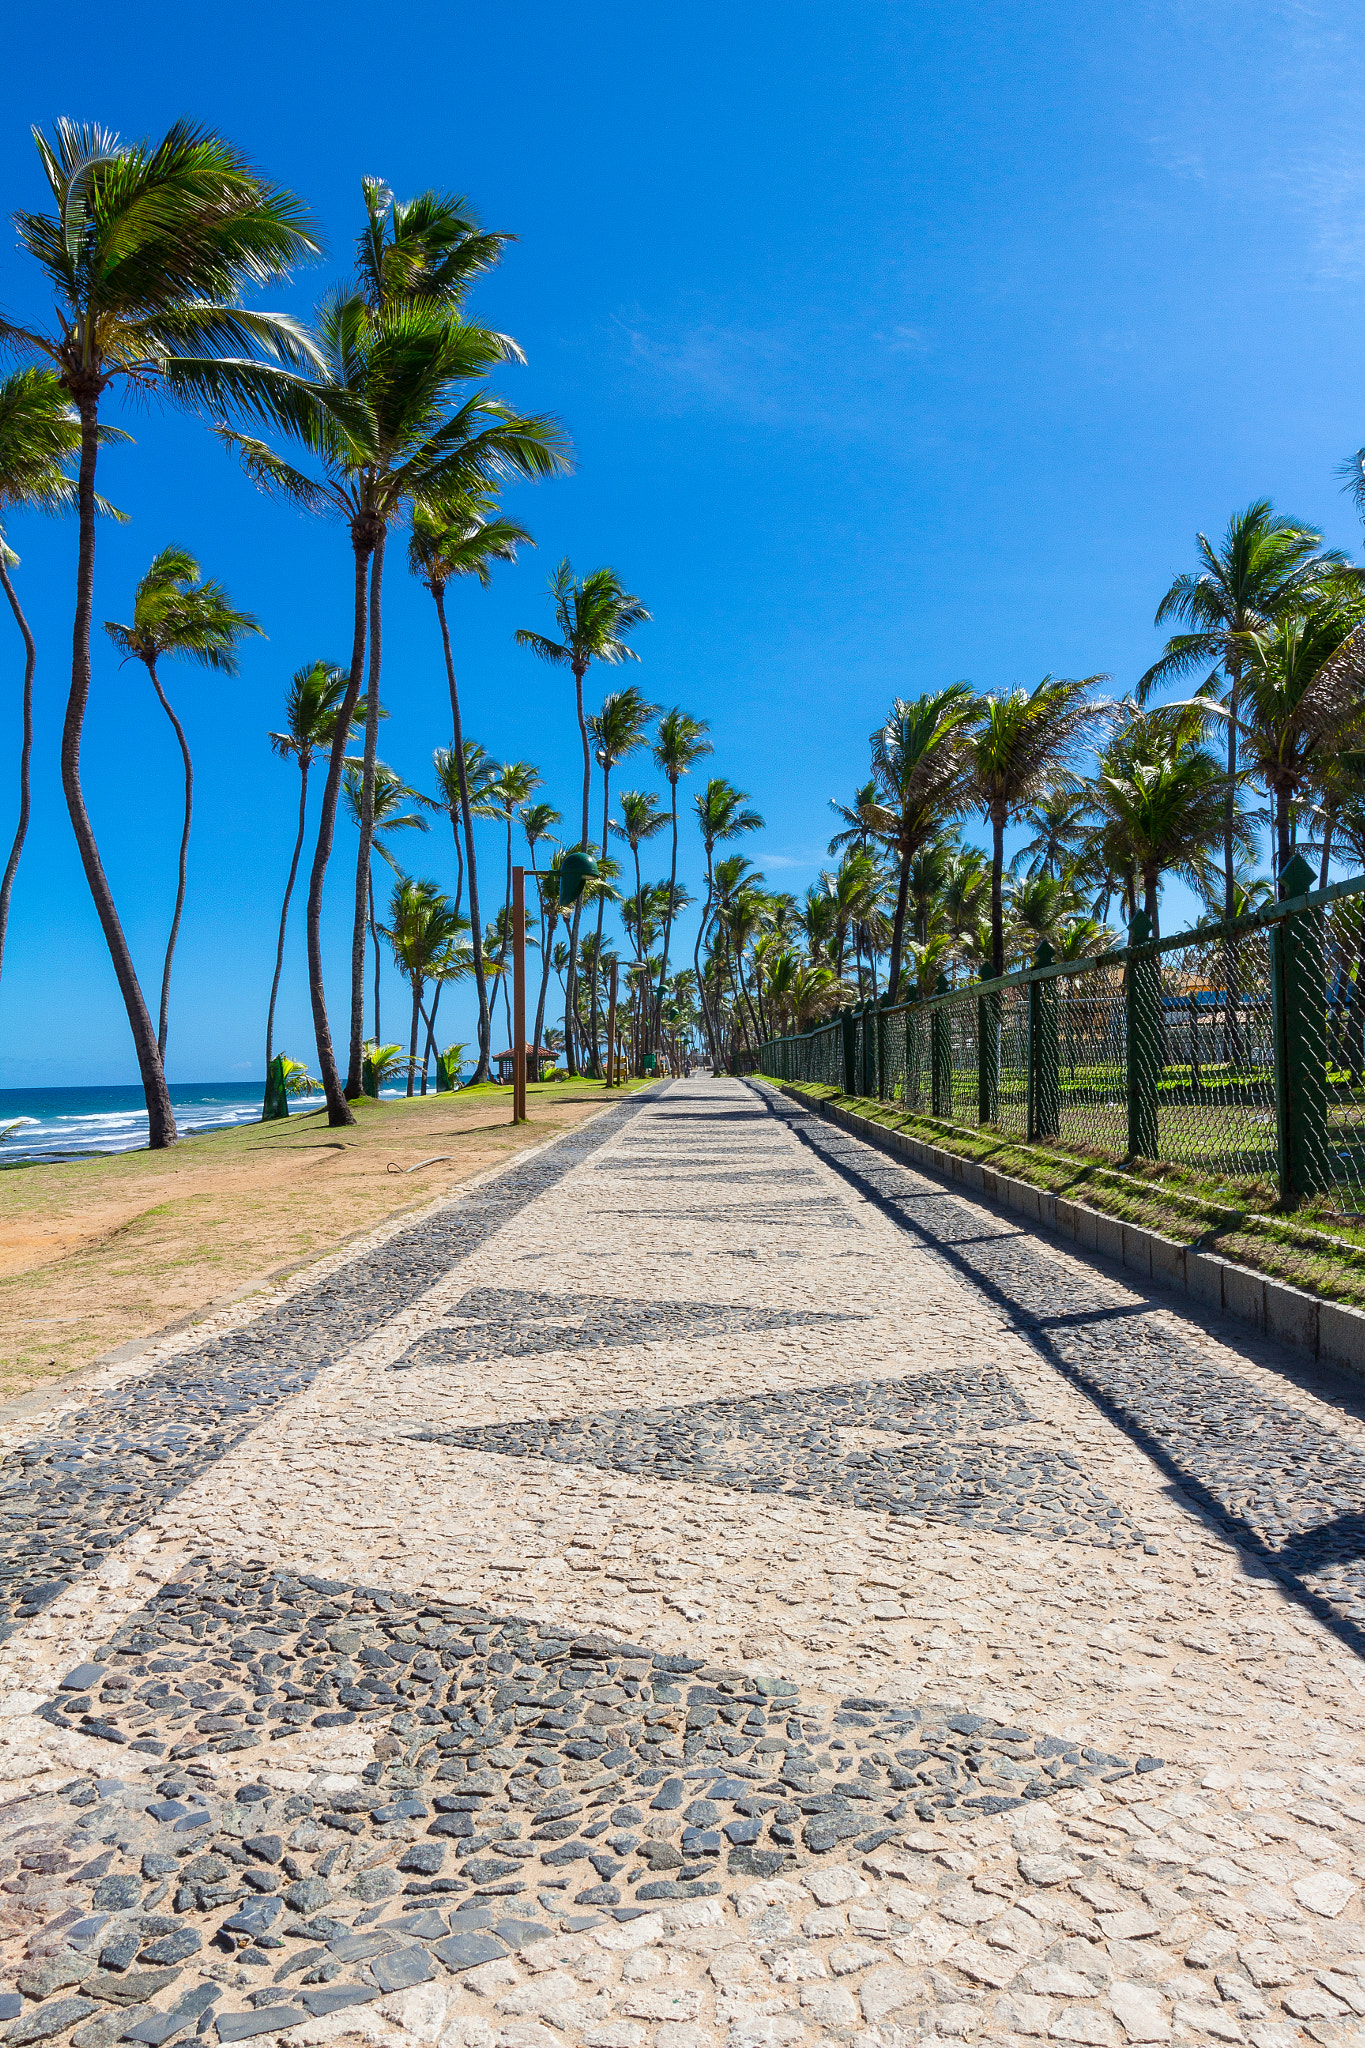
1236	1220
95	1252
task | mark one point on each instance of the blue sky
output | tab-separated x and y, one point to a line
897	343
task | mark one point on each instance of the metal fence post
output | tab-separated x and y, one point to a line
1044	1104
988	1007
1142	1034
941	1055
914	1063
850	1051
1299	1008
880	1016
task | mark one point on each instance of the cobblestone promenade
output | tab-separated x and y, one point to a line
706	1584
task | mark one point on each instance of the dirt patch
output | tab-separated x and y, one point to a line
97	1252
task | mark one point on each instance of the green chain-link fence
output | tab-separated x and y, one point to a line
1237	1050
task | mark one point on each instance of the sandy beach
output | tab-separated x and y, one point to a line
97	1253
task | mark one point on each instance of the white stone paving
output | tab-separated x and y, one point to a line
1219	1899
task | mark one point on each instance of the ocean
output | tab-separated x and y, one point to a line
69	1123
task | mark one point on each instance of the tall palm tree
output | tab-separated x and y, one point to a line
852	892
721	816
311	707
863	820
425	251
515	783
400	365
679	743
739	919
389	795
538	822
1159	797
148	251
593	615
1019	745
422	931
618	729
422	257
40	436
929	872
1056	821
480	768
1267	565
1301	700
812	988
817	921
964	884
553	955
640	820
177	614
917	763
464	538
1041	909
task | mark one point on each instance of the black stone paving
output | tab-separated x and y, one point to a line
507	1322
932	1464
526	1779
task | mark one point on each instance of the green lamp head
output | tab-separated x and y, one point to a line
576	868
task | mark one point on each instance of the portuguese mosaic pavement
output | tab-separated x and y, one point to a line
705	1584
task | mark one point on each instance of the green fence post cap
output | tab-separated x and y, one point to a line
1298	878
576	868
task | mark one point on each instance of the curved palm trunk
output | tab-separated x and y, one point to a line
571	997
1284	837
1234	669
305	761
571	988
431	1034
737	971
416	1016
476	927
637	1000
601	912
997	898
505	938
362	868
696	961
893	971
546	937
164	701
656	1008
160	1117
374	936
1327	831
338	1109
25	756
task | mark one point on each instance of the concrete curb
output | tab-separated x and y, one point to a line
1325	1330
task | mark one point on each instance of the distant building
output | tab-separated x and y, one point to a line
535	1064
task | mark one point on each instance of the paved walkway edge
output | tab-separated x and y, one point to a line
1325	1330
274	1286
